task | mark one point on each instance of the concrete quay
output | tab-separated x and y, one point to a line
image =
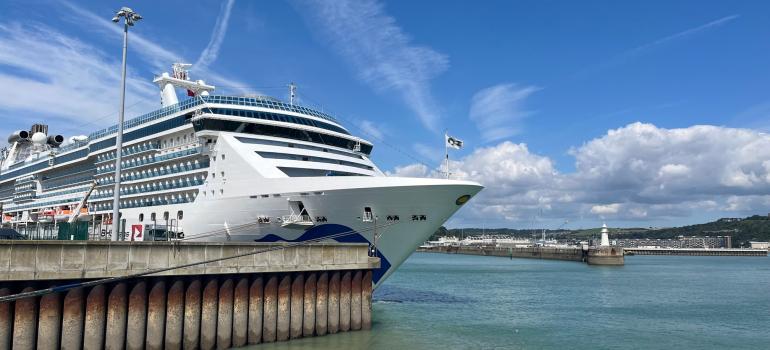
695	252
297	291
592	256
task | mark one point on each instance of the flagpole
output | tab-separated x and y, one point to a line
446	153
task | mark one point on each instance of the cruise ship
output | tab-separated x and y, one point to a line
222	168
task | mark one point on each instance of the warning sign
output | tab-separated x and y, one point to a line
136	233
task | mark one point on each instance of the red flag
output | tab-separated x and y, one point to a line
190	93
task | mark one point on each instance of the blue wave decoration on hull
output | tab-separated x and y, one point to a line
326	230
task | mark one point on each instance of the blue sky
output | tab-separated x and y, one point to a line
545	94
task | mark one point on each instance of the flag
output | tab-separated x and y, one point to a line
190	93
453	142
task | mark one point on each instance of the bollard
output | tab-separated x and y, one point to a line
49	322
308	324
156	315
137	316
72	320
240	312
6	322
269	325
192	314
297	304
366	296
322	297
209	303
116	318
225	315
174	315
345	301
24	322
284	307
334	302
96	318
255	311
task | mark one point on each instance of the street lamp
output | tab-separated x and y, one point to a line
130	17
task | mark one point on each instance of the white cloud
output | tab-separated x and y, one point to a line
411	170
382	54
59	79
72	84
369	128
605	209
498	110
637	172
211	52
154	54
636	51
429	153
683	34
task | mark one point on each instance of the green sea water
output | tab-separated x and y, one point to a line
438	301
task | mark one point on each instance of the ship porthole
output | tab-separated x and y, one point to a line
463	199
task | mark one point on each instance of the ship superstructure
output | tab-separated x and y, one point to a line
229	168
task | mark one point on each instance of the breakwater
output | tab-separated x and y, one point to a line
281	294
592	255
695	252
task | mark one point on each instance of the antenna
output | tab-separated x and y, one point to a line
292	93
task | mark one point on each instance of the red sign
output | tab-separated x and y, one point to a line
136	233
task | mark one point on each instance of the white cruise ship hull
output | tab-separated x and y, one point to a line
222	168
420	206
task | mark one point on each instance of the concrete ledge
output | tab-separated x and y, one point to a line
56	260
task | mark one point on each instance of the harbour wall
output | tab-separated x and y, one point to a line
592	256
695	252
281	294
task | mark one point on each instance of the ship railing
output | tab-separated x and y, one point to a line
150	160
158	172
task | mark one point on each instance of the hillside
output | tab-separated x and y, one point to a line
743	230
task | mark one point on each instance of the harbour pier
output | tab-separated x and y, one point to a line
696	251
131	295
590	255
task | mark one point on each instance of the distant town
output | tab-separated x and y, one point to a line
749	232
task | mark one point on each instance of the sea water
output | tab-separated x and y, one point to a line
440	301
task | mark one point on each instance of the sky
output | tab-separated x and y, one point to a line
638	114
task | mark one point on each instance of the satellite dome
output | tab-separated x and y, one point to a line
39	138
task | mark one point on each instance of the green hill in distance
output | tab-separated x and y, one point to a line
742	230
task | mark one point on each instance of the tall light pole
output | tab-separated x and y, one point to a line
129	17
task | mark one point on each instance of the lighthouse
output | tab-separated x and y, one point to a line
605	236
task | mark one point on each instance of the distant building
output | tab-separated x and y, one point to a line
760	245
681	242
729	220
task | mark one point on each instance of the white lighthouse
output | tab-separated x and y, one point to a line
605	236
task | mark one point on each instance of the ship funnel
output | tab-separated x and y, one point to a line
55	140
19	135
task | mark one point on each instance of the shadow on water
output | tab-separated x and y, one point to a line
398	294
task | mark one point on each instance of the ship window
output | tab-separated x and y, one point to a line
141	217
222	173
180	215
152	216
367	214
223	157
165	215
